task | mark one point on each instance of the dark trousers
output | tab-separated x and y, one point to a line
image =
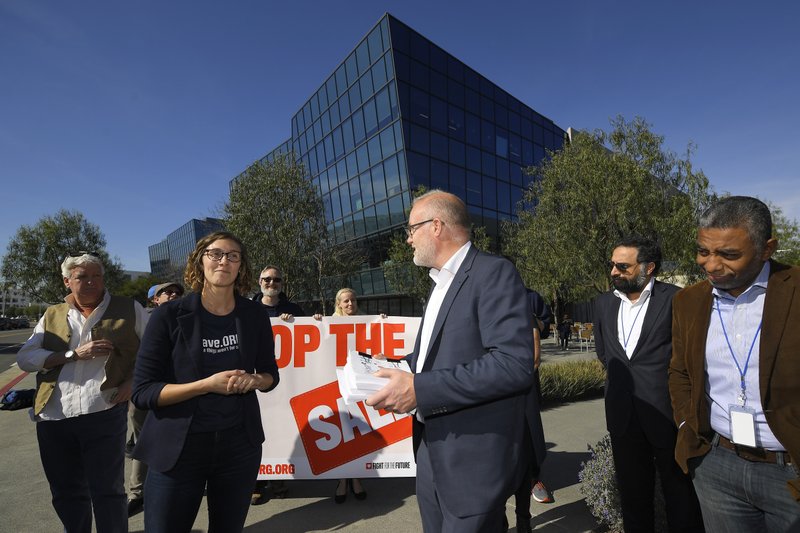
84	461
224	464
636	460
436	518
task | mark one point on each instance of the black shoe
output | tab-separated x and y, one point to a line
524	526
359	495
261	494
135	506
340	498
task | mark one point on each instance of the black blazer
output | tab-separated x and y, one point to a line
638	385
170	352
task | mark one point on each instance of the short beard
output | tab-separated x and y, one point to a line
270	292
628	286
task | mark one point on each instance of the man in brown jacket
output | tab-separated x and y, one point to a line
734	377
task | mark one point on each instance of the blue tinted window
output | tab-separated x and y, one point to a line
393	100
358	127
366	188
347	135
352	69
501	116
420	75
355	194
375	44
325	120
336	204
471	79
489	193
455	122
387	59
419	139
359	225
384	108
323	183
317	131
379	74
503	197
318	158
516	197
514	148
330	86
385	33
382	210
455	93
326	207
472	102
344	105
526	129
438	115
341	80
488	164
402	67
458	182
473	159
420	49
502	169
366	84
341	170
516	175
439	172
370	118
487	108
474	188
538	134
344	194
374	149
538	154
487	87
334	111
363	158
513	122
314	106
500	96
378	182
418	170
307	113
527	153
457	152
438	85
439	147
392	173
362	53
501	144
338	143
329	153
370	219
401	162
455	69
396	212
473	127
352	164
420	106
387	142
355	96
487	136
438	59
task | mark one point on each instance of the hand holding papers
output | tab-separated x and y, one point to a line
357	380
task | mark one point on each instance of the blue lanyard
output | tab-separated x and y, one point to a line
742	395
622	323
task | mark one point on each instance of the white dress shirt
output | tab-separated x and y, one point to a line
77	390
631	317
443	279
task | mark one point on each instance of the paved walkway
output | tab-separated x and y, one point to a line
390	506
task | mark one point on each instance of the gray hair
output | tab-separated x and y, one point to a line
744	212
70	263
446	206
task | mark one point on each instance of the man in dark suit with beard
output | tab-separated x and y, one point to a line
633	336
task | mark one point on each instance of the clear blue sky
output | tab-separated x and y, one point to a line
138	113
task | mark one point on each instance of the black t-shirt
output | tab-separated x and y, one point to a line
220	352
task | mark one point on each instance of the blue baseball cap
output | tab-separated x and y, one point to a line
151	292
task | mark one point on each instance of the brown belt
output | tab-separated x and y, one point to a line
759	455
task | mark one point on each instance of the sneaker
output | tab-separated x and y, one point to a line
540	493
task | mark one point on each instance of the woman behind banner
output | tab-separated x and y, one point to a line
200	362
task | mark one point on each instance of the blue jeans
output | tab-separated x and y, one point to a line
739	495
84	461
224	464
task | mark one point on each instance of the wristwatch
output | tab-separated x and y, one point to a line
70	355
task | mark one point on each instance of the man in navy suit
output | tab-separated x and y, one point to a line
472	374
633	334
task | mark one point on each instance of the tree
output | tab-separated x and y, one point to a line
277	213
597	189
137	288
34	255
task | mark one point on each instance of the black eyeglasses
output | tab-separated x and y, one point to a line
622	267
411	228
268	280
215	254
171	292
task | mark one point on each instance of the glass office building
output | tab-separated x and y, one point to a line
168	257
400	112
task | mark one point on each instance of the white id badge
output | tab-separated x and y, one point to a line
743	425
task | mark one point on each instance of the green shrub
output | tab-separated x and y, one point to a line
571	380
599	487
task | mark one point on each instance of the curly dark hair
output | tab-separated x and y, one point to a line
193	275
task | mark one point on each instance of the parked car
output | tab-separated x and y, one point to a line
5	323
20	322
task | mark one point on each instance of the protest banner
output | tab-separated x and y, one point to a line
310	432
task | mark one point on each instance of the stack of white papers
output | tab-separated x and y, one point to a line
357	381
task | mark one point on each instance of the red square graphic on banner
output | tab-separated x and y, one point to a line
332	437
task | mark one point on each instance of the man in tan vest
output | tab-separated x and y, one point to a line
84	351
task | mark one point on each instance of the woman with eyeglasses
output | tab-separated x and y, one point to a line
200	362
